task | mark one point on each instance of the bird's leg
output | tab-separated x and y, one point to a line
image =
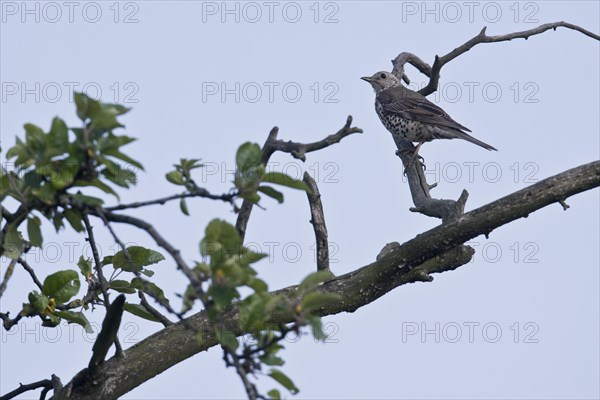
416	157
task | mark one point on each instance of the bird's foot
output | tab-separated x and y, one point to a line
415	158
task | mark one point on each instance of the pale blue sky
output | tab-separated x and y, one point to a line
537	101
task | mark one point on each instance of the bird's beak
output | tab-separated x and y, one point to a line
367	78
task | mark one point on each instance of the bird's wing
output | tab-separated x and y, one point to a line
414	106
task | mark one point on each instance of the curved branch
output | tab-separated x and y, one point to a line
434	251
447	210
318	222
297	150
44	383
434	72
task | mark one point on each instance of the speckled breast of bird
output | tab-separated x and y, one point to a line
412	131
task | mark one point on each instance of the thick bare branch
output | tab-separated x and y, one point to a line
419	188
318	222
434	251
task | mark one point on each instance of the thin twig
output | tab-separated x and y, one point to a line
9	271
196	192
155	313
95	254
231	359
98	263
160	241
164	320
31	272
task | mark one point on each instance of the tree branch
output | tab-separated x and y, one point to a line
447	210
434	251
297	150
419	188
318	222
97	261
160	241
197	192
45	383
434	72
31	272
7	275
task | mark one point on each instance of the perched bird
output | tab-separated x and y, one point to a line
409	114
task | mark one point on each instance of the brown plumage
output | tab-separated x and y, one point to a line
408	113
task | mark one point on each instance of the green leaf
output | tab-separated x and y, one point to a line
85	266
58	138
140	311
36	140
147	272
183	206
13	242
316	327
175	177
89	200
251	196
258	285
220	236
316	300
269	191
75	317
75	219
272	360
114	173
247	256
38	301
140	257
61	285
34	232
150	288
82	103
313	280
283	380
98	184
227	339
248	155
274	394
46	194
121	286
188	298
104	115
123	157
284	180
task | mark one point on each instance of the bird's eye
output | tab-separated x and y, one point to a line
383	75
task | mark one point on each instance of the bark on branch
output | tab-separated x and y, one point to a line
433	73
434	251
448	209
297	150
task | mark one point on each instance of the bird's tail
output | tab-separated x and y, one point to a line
465	136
